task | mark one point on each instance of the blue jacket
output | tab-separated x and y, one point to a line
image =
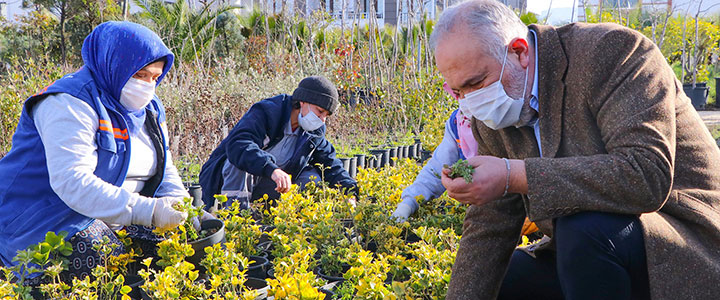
112	53
244	148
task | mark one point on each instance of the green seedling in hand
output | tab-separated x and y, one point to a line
463	169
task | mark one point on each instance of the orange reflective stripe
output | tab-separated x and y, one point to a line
120	134
105	125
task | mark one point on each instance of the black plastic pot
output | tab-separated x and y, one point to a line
400	278
199	245
258	268
330	278
195	192
383	156
393	154
425	155
328	293
406	151
372	246
257	284
264	255
353	167
265	246
372	161
412	151
418	146
346	163
134	282
411	237
697	94
360	158
717	90
267	228
347	223
271	273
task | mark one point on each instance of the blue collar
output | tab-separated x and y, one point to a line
534	99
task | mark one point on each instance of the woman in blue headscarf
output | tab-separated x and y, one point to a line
90	152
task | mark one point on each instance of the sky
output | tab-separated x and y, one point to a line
561	10
559	13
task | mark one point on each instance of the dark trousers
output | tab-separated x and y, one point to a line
599	256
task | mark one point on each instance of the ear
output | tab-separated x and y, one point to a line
521	48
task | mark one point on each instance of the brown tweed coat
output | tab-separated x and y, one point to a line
618	135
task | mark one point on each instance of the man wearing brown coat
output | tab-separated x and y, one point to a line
589	133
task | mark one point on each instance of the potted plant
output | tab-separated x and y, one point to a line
211	231
258	267
195	191
241	229
360	158
697	45
353	166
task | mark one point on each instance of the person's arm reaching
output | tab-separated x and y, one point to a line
427	184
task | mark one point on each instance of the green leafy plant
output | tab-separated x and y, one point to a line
294	279
461	168
366	278
226	271
240	228
49	255
187	228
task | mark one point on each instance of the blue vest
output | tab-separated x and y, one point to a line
454	130
30	208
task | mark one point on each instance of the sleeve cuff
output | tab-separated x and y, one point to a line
142	210
269	169
410	203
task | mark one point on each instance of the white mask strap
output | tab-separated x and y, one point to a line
527	71
503	64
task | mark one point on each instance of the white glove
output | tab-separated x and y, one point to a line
205	216
402	212
164	215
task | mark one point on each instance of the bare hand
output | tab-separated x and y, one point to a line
282	180
488	181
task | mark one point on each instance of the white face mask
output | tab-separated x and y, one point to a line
309	122
492	105
137	94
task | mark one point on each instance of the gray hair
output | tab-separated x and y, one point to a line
491	23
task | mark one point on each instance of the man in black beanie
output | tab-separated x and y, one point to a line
278	142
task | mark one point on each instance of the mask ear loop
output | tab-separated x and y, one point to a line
527	72
503	64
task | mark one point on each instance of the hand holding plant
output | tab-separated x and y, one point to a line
191	215
165	215
461	168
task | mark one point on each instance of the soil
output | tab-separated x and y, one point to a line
206	232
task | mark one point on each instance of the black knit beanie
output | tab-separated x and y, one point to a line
317	90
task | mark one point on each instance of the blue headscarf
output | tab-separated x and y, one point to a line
114	51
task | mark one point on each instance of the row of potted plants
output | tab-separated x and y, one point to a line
383	155
310	244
